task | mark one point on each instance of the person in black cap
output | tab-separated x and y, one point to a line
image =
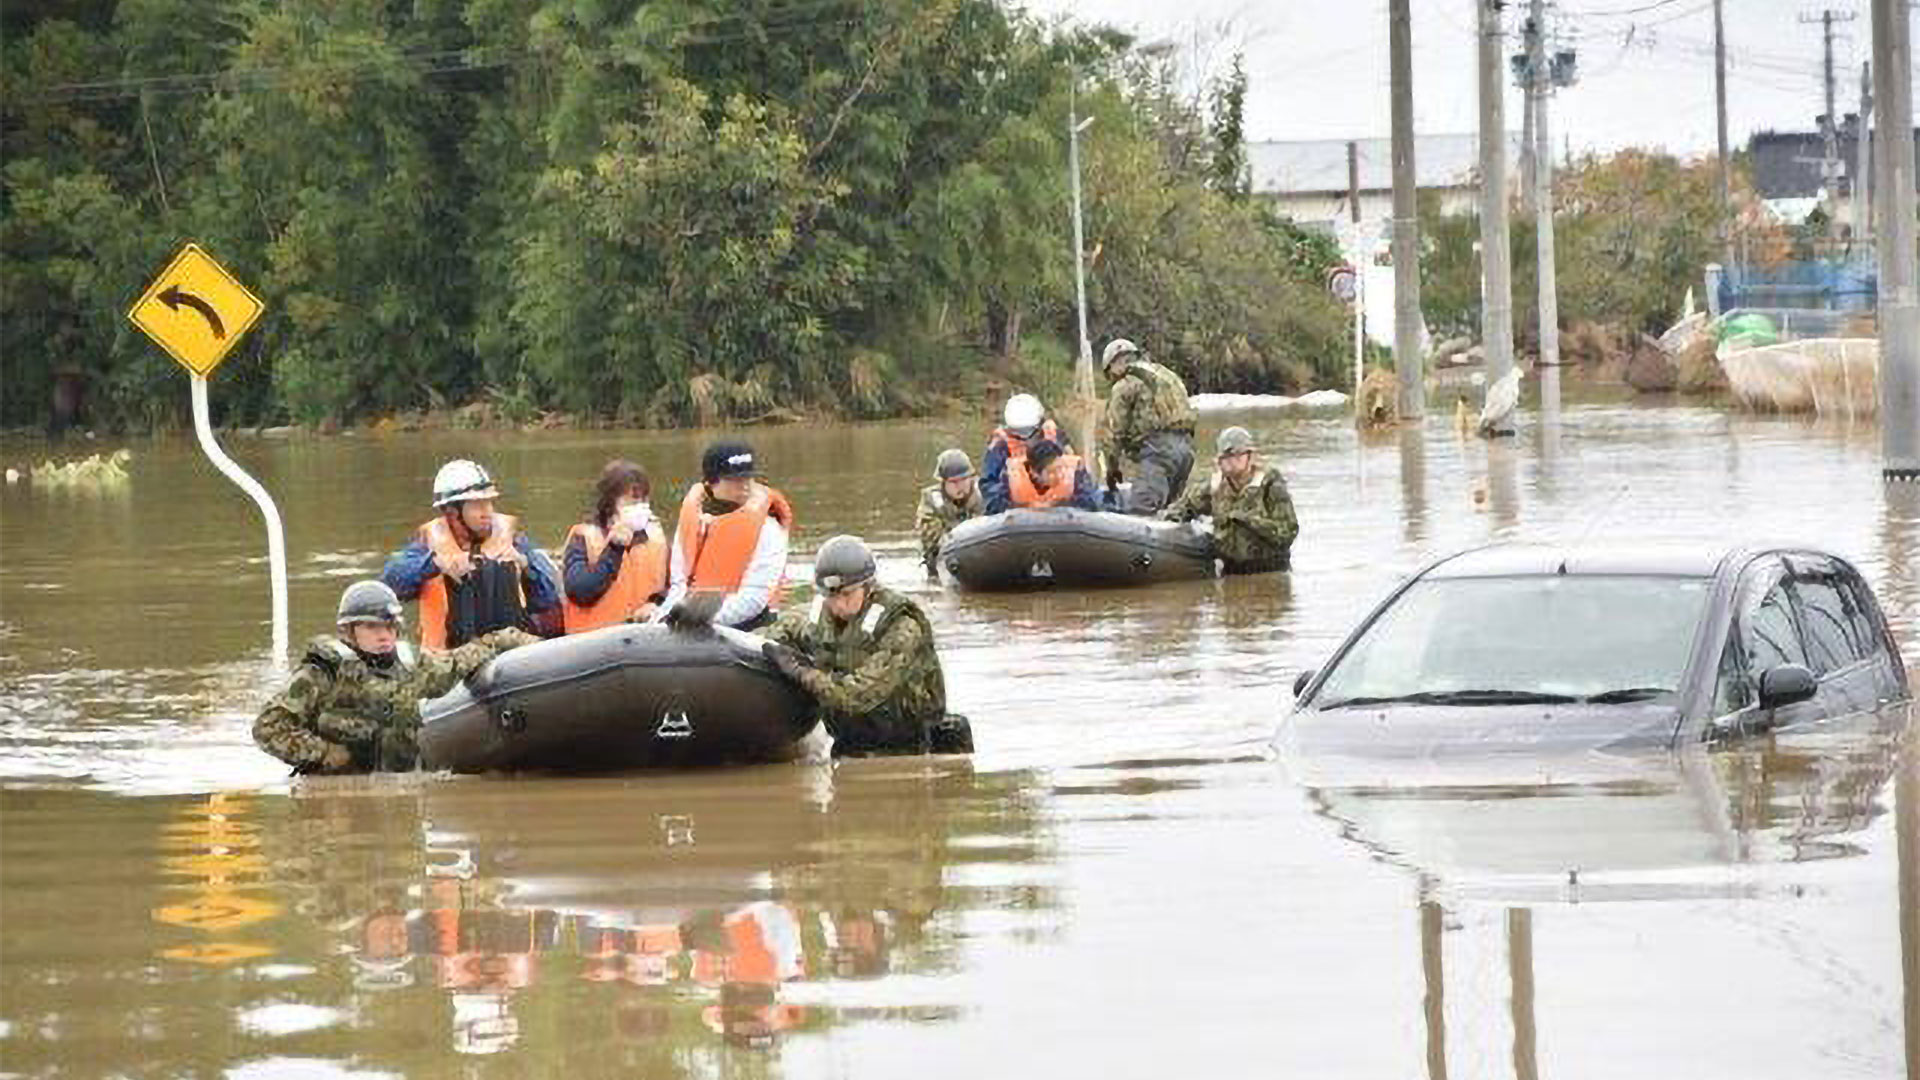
1055	477
731	543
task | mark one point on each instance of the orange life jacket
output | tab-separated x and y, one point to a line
439	538
718	552
1056	486
642	575
1017	446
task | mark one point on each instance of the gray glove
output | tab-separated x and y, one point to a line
787	660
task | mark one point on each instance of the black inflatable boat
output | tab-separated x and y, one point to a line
1029	549
622	697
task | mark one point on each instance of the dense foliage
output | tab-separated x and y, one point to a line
1632	232
672	211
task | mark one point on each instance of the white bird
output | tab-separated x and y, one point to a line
1503	396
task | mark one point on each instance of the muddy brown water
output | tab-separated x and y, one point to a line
1122	882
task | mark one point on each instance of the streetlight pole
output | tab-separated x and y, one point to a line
1083	369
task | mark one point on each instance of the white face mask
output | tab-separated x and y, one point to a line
637	516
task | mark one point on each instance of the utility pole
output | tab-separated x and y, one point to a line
1496	286
1538	84
1863	158
1529	179
1083	370
1899	289
1829	129
1720	105
1409	360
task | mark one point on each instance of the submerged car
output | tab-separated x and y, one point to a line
1547	650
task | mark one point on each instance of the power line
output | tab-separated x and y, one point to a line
476	58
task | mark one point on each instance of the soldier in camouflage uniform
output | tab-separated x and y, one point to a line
866	655
1253	519
946	504
354	703
1149	427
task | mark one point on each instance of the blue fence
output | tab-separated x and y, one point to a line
1823	285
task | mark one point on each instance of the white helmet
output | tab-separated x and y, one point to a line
1116	349
1024	414
459	480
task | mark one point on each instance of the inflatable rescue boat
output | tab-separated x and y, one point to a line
1031	549
618	698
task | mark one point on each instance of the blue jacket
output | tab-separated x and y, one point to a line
588	582
995	492
410	567
993	478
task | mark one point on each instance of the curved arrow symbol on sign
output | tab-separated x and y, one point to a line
174	298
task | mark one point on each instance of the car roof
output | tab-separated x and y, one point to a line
1678	559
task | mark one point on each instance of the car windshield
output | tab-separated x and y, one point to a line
1524	639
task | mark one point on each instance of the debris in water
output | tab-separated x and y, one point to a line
97	472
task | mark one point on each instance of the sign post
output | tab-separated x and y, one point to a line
197	312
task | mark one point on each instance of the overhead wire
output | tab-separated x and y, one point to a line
424	63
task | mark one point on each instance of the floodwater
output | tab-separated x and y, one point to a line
1123	882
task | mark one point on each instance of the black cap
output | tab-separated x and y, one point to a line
1041	454
728	459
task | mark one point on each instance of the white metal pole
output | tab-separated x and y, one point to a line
1359	328
1083	369
276	536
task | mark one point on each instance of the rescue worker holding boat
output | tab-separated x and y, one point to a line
867	656
353	704
953	499
1253	520
731	542
1149	428
471	567
616	559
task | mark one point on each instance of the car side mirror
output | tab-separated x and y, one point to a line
1301	680
1788	684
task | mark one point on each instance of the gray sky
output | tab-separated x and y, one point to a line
1318	68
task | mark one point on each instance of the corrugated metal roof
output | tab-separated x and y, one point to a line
1320	165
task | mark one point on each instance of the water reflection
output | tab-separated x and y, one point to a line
1526	835
680	911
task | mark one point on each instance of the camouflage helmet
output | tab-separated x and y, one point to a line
842	563
1117	352
953	464
368	601
1233	440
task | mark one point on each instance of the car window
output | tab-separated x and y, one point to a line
1832	640
1862	610
1565	635
1731	690
1768	632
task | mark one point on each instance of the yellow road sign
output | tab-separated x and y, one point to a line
196	310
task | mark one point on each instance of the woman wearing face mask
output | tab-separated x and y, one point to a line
616	559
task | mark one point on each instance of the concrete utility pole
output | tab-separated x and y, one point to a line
1863	158
1496	283
1829	126
1720	105
1083	369
1529	180
1409	359
1538	85
1899	290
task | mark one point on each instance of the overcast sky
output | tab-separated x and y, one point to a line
1318	68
